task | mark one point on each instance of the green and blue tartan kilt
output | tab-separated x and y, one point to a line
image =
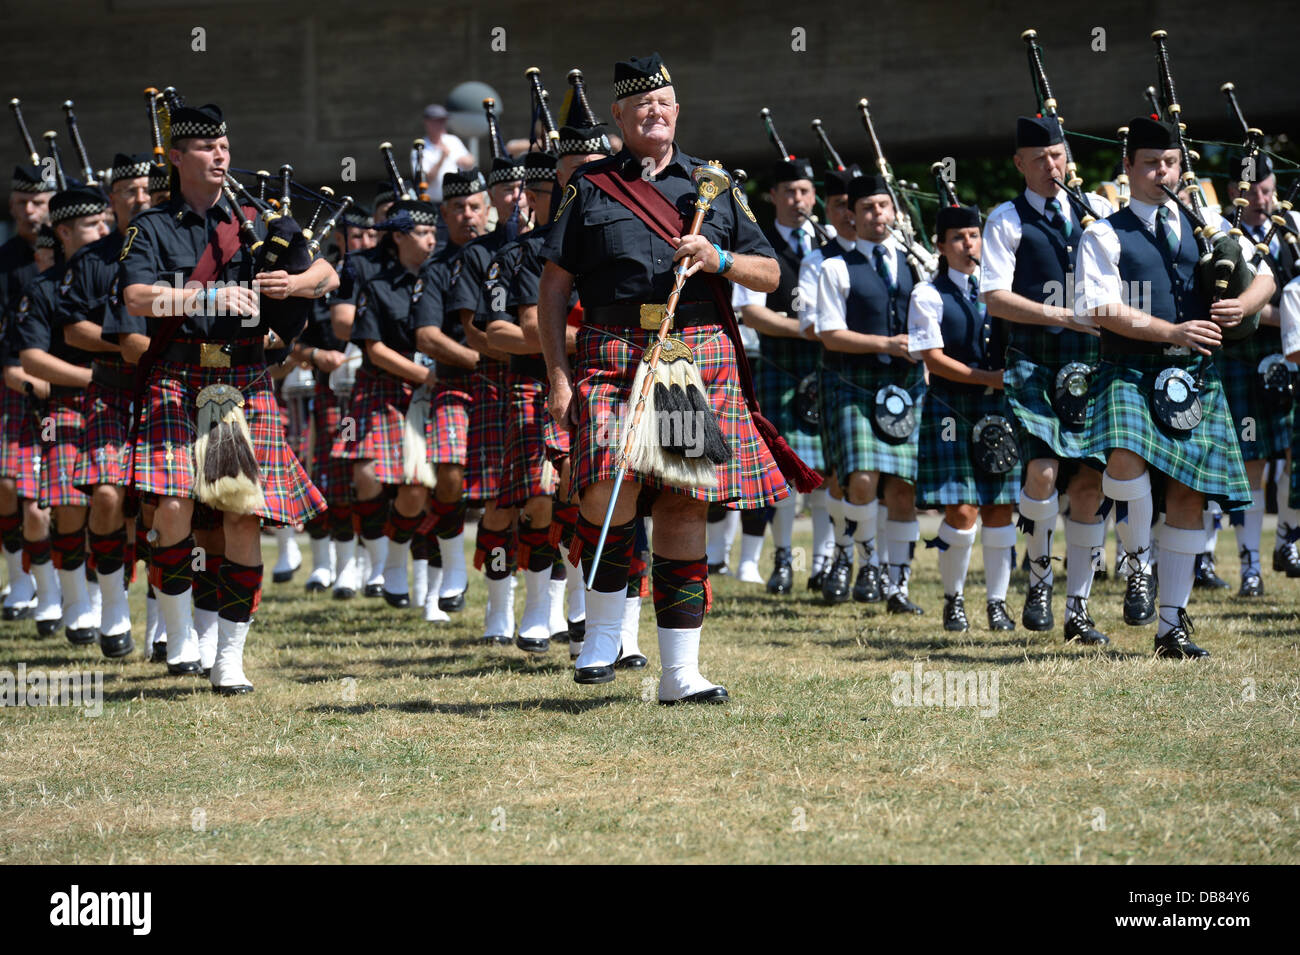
525	474
848	402
946	471
1208	460
781	365
378	416
1269	429
1293	497
604	368
163	457
489	417
59	456
449	422
830	453
104	442
1034	357
20	452
332	475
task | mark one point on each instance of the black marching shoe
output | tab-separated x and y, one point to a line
592	675
719	570
1081	628
20	612
1251	586
532	645
189	668
782	579
714	694
315	587
374	590
1176	645
116	646
1139	599
1037	615
816	580
954	613
867	589
1206	578
496	639
159	654
344	593
48	628
633	661
453	604
399	601
999	619
898	603
82	637
835	588
1286	559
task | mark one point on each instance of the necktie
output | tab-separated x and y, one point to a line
800	242
1056	219
883	270
1164	230
974	281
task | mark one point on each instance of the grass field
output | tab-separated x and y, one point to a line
373	737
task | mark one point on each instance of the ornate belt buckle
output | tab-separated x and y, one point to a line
652	316
211	356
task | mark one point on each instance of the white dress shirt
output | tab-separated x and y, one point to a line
810	271
1291	317
1002	234
741	296
1098	283
451	149
925	313
833	284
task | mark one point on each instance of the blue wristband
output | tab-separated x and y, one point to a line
724	259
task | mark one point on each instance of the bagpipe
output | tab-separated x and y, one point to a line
908	229
541	113
765	114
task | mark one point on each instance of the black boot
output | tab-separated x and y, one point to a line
1176	643
1286	559
1206	578
898	600
835	589
954	613
1037	615
1139	594
999	619
1079	625
782	579
867	589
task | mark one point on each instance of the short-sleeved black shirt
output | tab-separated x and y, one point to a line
40	318
444	271
163	246
90	287
613	254
385	308
476	258
358	268
17	270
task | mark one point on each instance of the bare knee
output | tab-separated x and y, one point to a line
1085	495
451	482
862	487
900	499
995	515
960	516
537	511
1040	477
1183	506
1124	465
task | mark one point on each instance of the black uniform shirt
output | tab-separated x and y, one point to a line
17	270
358	268
614	255
162	247
385	308
90	294
40	319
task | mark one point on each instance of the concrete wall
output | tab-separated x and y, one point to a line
312	82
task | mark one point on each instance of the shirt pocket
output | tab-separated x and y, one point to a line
615	232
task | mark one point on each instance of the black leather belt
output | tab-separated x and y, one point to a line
532	366
650	316
451	372
66	391
116	377
214	354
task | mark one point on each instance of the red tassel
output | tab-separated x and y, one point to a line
708	594
555	533
575	551
804	478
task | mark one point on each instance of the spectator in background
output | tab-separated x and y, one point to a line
443	152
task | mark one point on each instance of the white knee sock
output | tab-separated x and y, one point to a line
535	624
751	549
719	536
575	586
177	614
1039	543
454	577
604	628
631	627
836	510
1179	548
902	535
862	520
1288	518
999	546
1249	532
206	629
114	614
377	551
395	567
498	615
77	612
783	522
1083	547
1134	532
679	655
954	560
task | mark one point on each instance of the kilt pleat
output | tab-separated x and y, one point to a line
164	456
605	366
946	470
525	474
104	443
448	429
59	455
372	428
332	475
1207	460
489	421
1029	388
781	366
849	397
20	453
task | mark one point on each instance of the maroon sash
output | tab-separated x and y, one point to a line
651	206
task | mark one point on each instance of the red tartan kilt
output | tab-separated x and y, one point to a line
378	414
489	420
19	450
59	457
526	450
164	457
605	366
104	442
332	475
557	439
448	429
